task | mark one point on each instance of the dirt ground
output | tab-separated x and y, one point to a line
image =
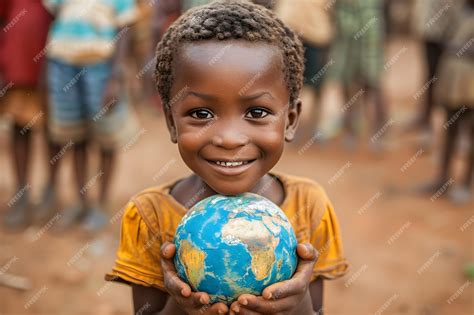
406	251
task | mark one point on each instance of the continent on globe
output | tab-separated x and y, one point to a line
227	246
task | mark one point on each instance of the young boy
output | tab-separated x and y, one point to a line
85	65
229	74
22	90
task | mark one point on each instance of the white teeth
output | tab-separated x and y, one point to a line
231	164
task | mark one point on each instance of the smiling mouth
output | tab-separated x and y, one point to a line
230	164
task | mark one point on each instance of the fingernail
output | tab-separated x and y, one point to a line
202	300
244	302
182	292
220	311
236	308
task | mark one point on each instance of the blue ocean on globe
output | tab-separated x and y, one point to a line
227	246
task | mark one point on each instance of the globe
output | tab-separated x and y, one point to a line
230	245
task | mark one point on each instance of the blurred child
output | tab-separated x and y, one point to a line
229	74
312	21
432	20
22	90
85	65
455	91
358	59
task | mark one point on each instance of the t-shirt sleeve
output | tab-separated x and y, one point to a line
326	238
127	12
138	255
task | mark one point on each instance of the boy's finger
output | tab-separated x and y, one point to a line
202	298
307	252
219	308
260	305
173	283
298	283
294	286
306	264
167	250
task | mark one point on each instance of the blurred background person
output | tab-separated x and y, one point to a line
455	92
88	42
431	22
312	21
358	53
24	25
146	33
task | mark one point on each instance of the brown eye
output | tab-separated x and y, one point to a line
257	113
201	114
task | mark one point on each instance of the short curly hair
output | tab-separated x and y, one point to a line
228	20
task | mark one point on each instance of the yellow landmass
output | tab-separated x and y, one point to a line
193	261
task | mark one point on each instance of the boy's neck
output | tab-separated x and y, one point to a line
193	189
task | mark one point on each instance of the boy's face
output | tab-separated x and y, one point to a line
229	112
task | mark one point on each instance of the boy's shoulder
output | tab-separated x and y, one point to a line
301	185
155	196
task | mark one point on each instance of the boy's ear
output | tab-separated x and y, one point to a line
171	126
293	118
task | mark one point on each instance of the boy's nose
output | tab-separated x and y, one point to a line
230	139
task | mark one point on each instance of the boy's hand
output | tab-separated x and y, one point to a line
281	297
191	302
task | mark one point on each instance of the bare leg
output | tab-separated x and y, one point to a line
470	163
108	158
433	54
80	168
350	118
19	212
48	202
380	109
76	212
21	149
448	150
462	193
96	217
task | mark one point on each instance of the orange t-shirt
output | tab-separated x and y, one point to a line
152	216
